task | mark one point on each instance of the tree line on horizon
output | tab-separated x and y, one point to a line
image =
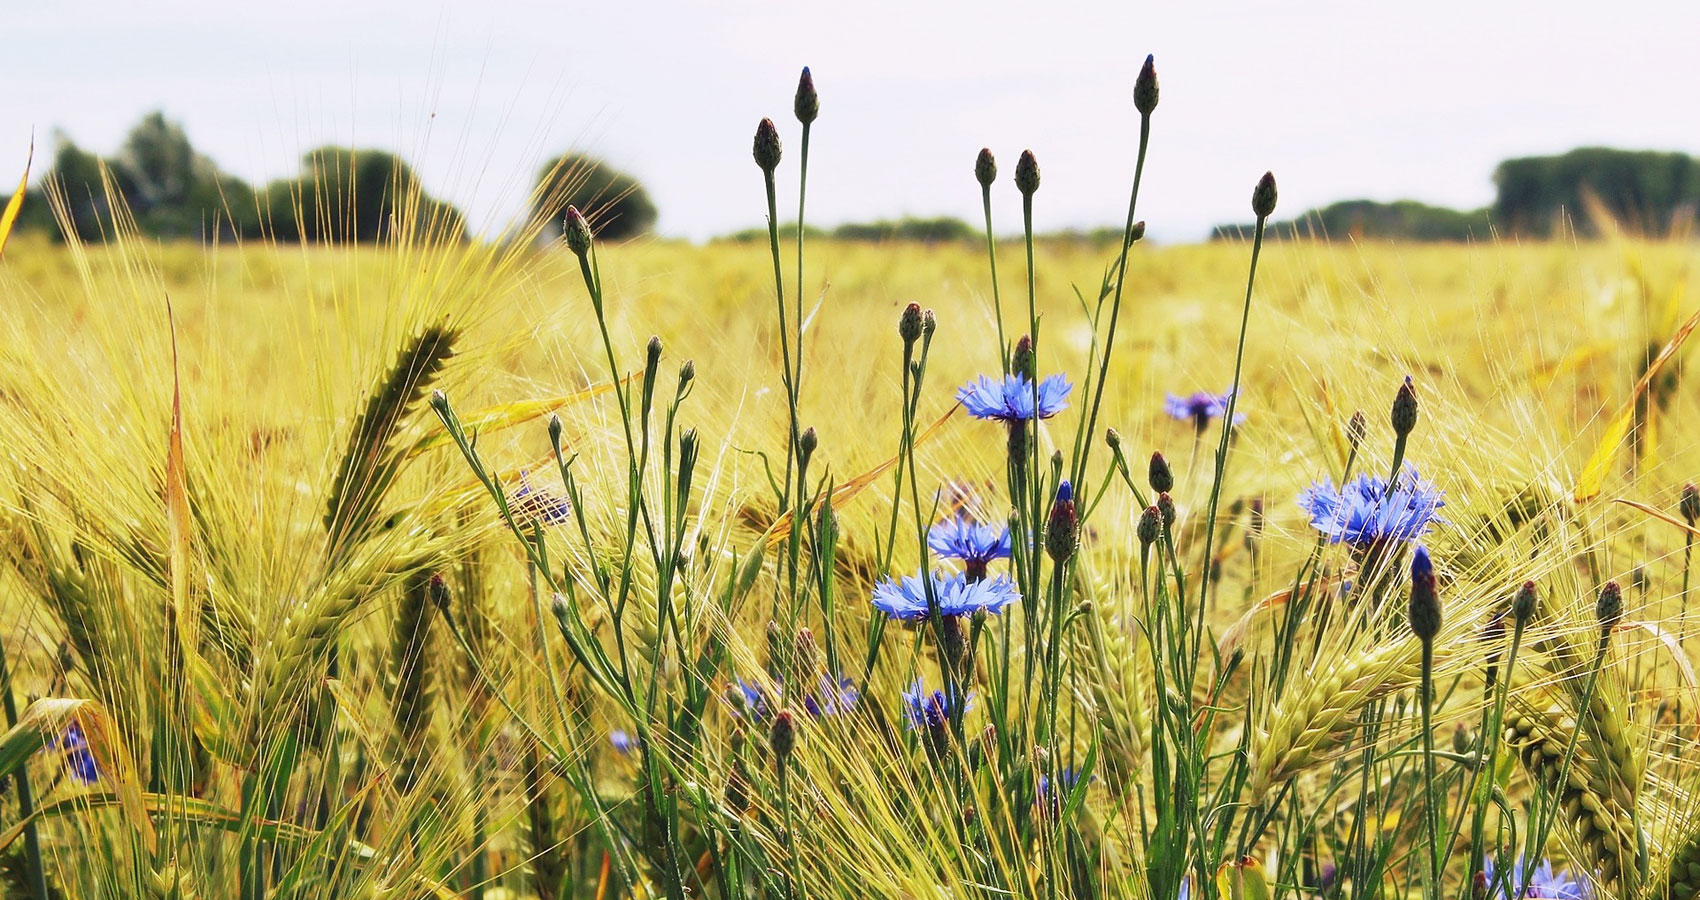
1588	191
358	195
340	195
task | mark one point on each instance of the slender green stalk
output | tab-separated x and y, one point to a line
26	800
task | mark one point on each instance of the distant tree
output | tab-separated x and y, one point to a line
1400	219
942	229
345	195
616	204
1649	190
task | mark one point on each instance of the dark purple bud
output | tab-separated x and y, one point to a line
1145	88
985	168
1690	504
782	737
1356	428
1608	609
1524	605
807	105
766	150
1062	533
1022	361
1150	522
1425	598
1166	506
1027	174
909	324
576	231
1263	196
1161	477
1405	408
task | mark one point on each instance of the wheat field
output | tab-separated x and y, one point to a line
424	570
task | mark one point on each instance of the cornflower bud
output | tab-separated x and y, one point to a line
807	104
929	324
1145	87
1166	506
1113	438
1425	598
806	444
687	374
437	590
554	430
1608	609
807	657
1161	477
1404	415
1062	533
1523	606
576	231
766	149
1690	504
1027	174
1138	232
1022	361
909	324
985	168
1263	196
1150	522
1355	429
652	353
782	737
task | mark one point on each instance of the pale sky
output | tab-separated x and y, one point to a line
1339	99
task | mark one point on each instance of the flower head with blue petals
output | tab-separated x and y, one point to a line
1544	883
833	696
960	537
1363	512
531	503
956	595
1200	407
926	710
1012	397
79	758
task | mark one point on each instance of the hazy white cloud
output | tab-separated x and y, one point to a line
1339	99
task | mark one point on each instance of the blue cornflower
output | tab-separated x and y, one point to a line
956	595
1200	408
1010	399
832	697
931	710
623	743
1362	512
534	503
1543	883
79	759
1066	779
960	537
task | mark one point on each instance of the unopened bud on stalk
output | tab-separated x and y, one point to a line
1166	506
1062	533
1113	438
766	150
1425	597
440	402
955	640
1027	174
652	353
1263	196
1461	739
1150	522
909	324
1609	608
985	168
1690	504
437	590
1145	87
1404	415
687	374
1356	428
576	231
782	737
929	324
1137	234
1161	477
554	430
1524	604
808	655
1022	361
806	444
807	104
